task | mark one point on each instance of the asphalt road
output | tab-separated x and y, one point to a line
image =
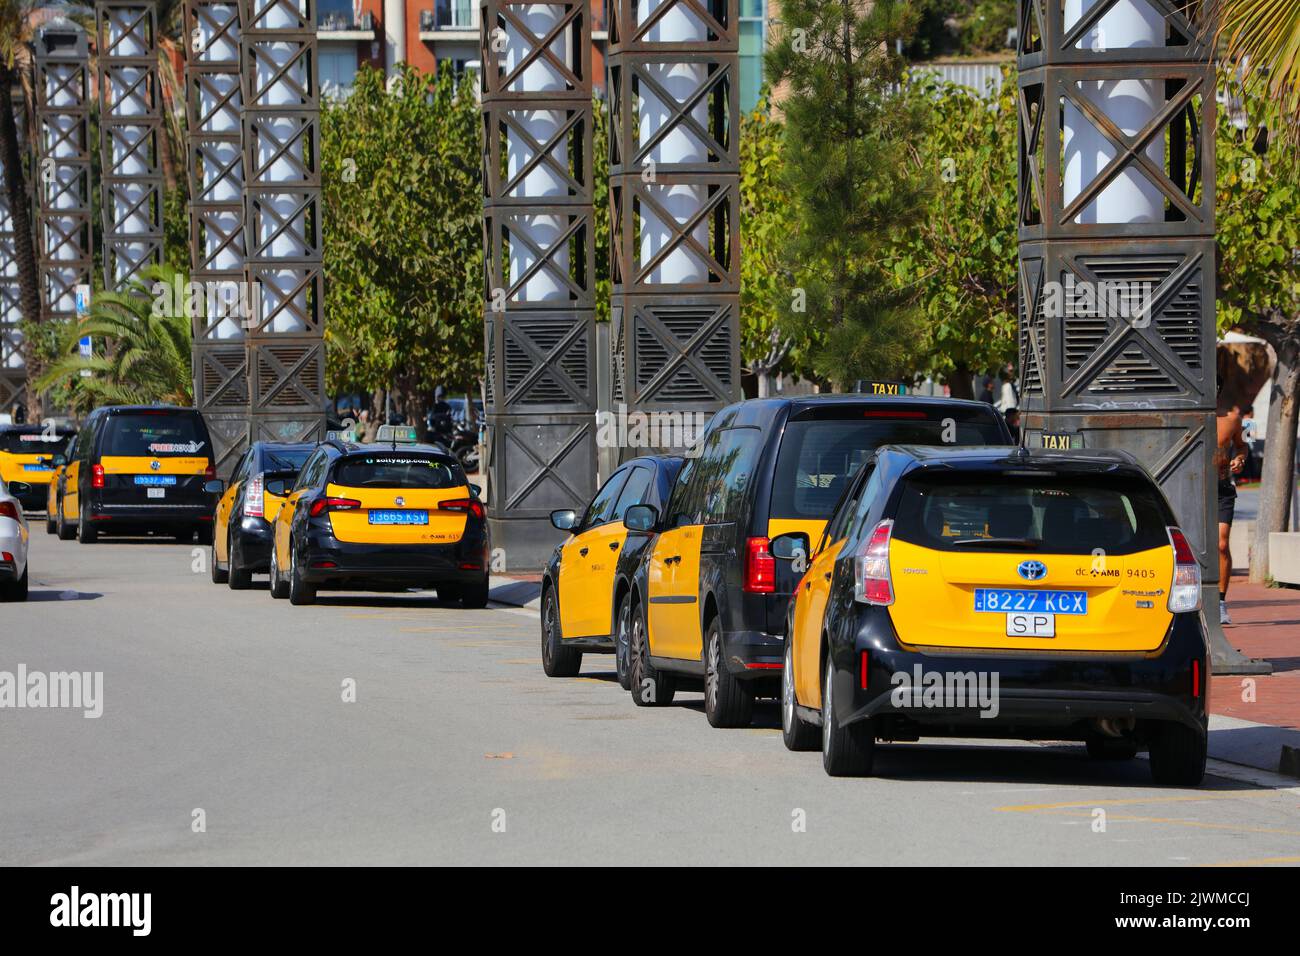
458	749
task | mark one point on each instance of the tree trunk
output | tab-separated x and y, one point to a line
1278	478
959	382
20	209
376	416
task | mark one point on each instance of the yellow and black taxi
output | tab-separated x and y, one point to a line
585	585
983	592
709	598
27	454
383	515
138	469
241	524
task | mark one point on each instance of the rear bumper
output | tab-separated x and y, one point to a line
112	511
324	559
1059	695
753	655
252	539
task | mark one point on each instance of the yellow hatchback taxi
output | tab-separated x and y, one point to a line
27	454
390	514
983	592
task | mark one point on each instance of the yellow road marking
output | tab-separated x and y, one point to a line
1197	824
1076	804
1262	861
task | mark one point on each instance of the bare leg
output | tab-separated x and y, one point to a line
1225	559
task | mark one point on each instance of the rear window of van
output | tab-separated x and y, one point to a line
156	435
33	443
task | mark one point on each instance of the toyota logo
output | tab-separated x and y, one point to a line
155	464
1032	570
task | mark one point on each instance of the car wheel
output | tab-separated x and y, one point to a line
1111	748
650	687
798	734
279	589
846	751
474	595
300	592
86	534
557	660
1177	755
51	526
728	702
237	579
14	590
623	644
61	526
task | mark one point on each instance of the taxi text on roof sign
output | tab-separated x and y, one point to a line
397	434
1056	441
880	388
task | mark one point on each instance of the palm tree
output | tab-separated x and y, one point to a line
1261	40
146	349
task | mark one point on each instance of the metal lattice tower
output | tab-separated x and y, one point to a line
539	290
675	204
215	166
282	230
13	373
61	171
1116	229
130	127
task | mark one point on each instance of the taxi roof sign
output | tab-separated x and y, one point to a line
872	387
396	434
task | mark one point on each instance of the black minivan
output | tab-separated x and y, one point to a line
709	598
138	469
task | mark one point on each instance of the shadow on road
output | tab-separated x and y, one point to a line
420	600
65	595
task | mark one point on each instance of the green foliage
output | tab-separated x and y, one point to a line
959	259
1261	41
1257	204
142	350
851	185
604	285
403	234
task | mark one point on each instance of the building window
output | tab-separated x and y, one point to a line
334	15
753	41
454	14
338	68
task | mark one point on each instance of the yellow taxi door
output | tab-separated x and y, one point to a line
221	520
283	522
71	491
582	604
809	610
674	594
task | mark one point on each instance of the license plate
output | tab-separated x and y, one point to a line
156	492
1031	625
36	468
155	481
1015	600
398	517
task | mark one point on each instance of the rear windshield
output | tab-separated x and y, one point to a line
33	443
1058	515
280	459
397	471
817	457
156	435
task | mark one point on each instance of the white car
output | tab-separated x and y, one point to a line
13	542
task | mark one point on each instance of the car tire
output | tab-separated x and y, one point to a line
279	590
300	592
1111	748
797	733
51	526
846	751
218	576
14	590
237	579
650	687
1177	755
86	533
474	596
61	527
623	643
557	660
728	702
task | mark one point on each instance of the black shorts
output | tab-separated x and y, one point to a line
1227	500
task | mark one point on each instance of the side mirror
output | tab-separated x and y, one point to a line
214	487
564	520
19	488
476	490
641	518
279	486
790	545
60	461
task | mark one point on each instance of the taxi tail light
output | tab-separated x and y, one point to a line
465	505
8	510
210	472
760	567
5	556
321	505
871	582
97	476
254	499
1185	591
864	670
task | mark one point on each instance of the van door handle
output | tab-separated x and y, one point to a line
583	552
675	557
613	546
827	575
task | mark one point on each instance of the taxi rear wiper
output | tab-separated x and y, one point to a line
1000	542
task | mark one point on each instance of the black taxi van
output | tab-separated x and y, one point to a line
709	597
987	592
138	469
